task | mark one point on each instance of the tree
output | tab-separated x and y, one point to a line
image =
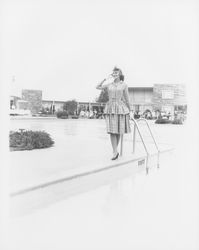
70	107
103	97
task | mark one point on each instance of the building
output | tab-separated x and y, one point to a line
86	106
18	106
141	98
51	105
14	102
160	97
169	97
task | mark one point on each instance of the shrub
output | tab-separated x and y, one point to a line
177	121
62	114
74	116
70	107
163	121
28	140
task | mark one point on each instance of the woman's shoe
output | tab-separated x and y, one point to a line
115	157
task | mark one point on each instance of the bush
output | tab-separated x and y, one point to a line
177	121
28	140
70	107
163	121
74	116
62	114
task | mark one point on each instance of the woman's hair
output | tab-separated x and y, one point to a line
121	75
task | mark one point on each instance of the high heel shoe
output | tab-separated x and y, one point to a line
115	157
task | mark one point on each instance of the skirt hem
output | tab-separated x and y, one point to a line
118	124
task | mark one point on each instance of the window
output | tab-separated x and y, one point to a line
11	104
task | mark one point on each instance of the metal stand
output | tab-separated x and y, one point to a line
136	127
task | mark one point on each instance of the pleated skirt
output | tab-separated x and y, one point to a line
118	123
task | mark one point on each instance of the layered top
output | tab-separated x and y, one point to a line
118	98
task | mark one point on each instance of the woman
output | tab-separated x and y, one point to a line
117	110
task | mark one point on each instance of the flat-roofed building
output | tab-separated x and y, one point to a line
14	102
169	97
160	97
21	104
52	105
141	98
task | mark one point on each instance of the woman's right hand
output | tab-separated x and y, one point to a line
99	86
110	78
107	80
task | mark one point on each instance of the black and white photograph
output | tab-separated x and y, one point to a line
99	125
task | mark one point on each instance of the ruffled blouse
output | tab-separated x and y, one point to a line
118	99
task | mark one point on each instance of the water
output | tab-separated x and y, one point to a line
166	133
79	144
66	127
158	211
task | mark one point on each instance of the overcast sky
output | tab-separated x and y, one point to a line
66	47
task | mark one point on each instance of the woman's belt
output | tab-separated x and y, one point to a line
115	99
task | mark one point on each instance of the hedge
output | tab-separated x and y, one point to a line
62	114
28	140
177	121
163	121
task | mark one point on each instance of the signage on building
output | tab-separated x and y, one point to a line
167	94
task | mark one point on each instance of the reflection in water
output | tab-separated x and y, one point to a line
117	199
118	184
71	128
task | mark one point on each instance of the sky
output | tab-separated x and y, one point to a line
65	48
